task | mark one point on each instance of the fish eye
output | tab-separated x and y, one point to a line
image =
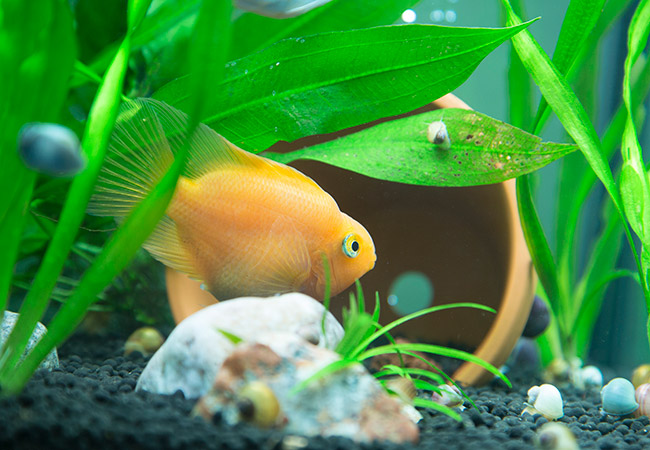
351	245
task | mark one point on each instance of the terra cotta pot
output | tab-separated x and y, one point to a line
434	246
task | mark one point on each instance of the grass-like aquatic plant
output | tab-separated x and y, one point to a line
362	328
263	95
575	297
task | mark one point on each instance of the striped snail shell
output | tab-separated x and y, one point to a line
642	396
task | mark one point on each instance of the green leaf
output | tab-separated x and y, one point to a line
564	103
424	403
362	345
613	10
540	251
166	16
437	350
589	294
37	50
324	83
126	241
252	32
483	150
579	187
231	337
520	89
322	373
579	22
634	184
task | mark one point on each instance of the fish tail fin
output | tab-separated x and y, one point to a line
146	136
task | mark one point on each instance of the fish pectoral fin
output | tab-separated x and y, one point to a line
284	262
165	245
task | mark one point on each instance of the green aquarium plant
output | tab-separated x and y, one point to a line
575	296
361	69
362	329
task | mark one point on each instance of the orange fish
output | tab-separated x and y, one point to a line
242	224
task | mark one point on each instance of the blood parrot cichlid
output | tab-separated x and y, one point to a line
240	223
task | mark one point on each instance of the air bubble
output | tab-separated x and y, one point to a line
450	16
277	63
409	16
437	15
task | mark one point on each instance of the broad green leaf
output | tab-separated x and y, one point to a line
327	82
483	150
252	32
37	50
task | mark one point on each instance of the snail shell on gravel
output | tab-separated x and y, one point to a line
258	404
641	375
545	400
538	319
557	371
145	340
555	436
642	396
448	396
402	387
589	377
617	397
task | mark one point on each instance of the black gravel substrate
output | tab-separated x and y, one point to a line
89	403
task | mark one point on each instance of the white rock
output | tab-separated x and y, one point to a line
190	358
8	323
349	402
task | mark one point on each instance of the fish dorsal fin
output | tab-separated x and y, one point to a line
138	156
284	262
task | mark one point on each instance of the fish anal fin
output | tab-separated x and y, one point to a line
166	246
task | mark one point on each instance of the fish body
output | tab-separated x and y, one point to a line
241	223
